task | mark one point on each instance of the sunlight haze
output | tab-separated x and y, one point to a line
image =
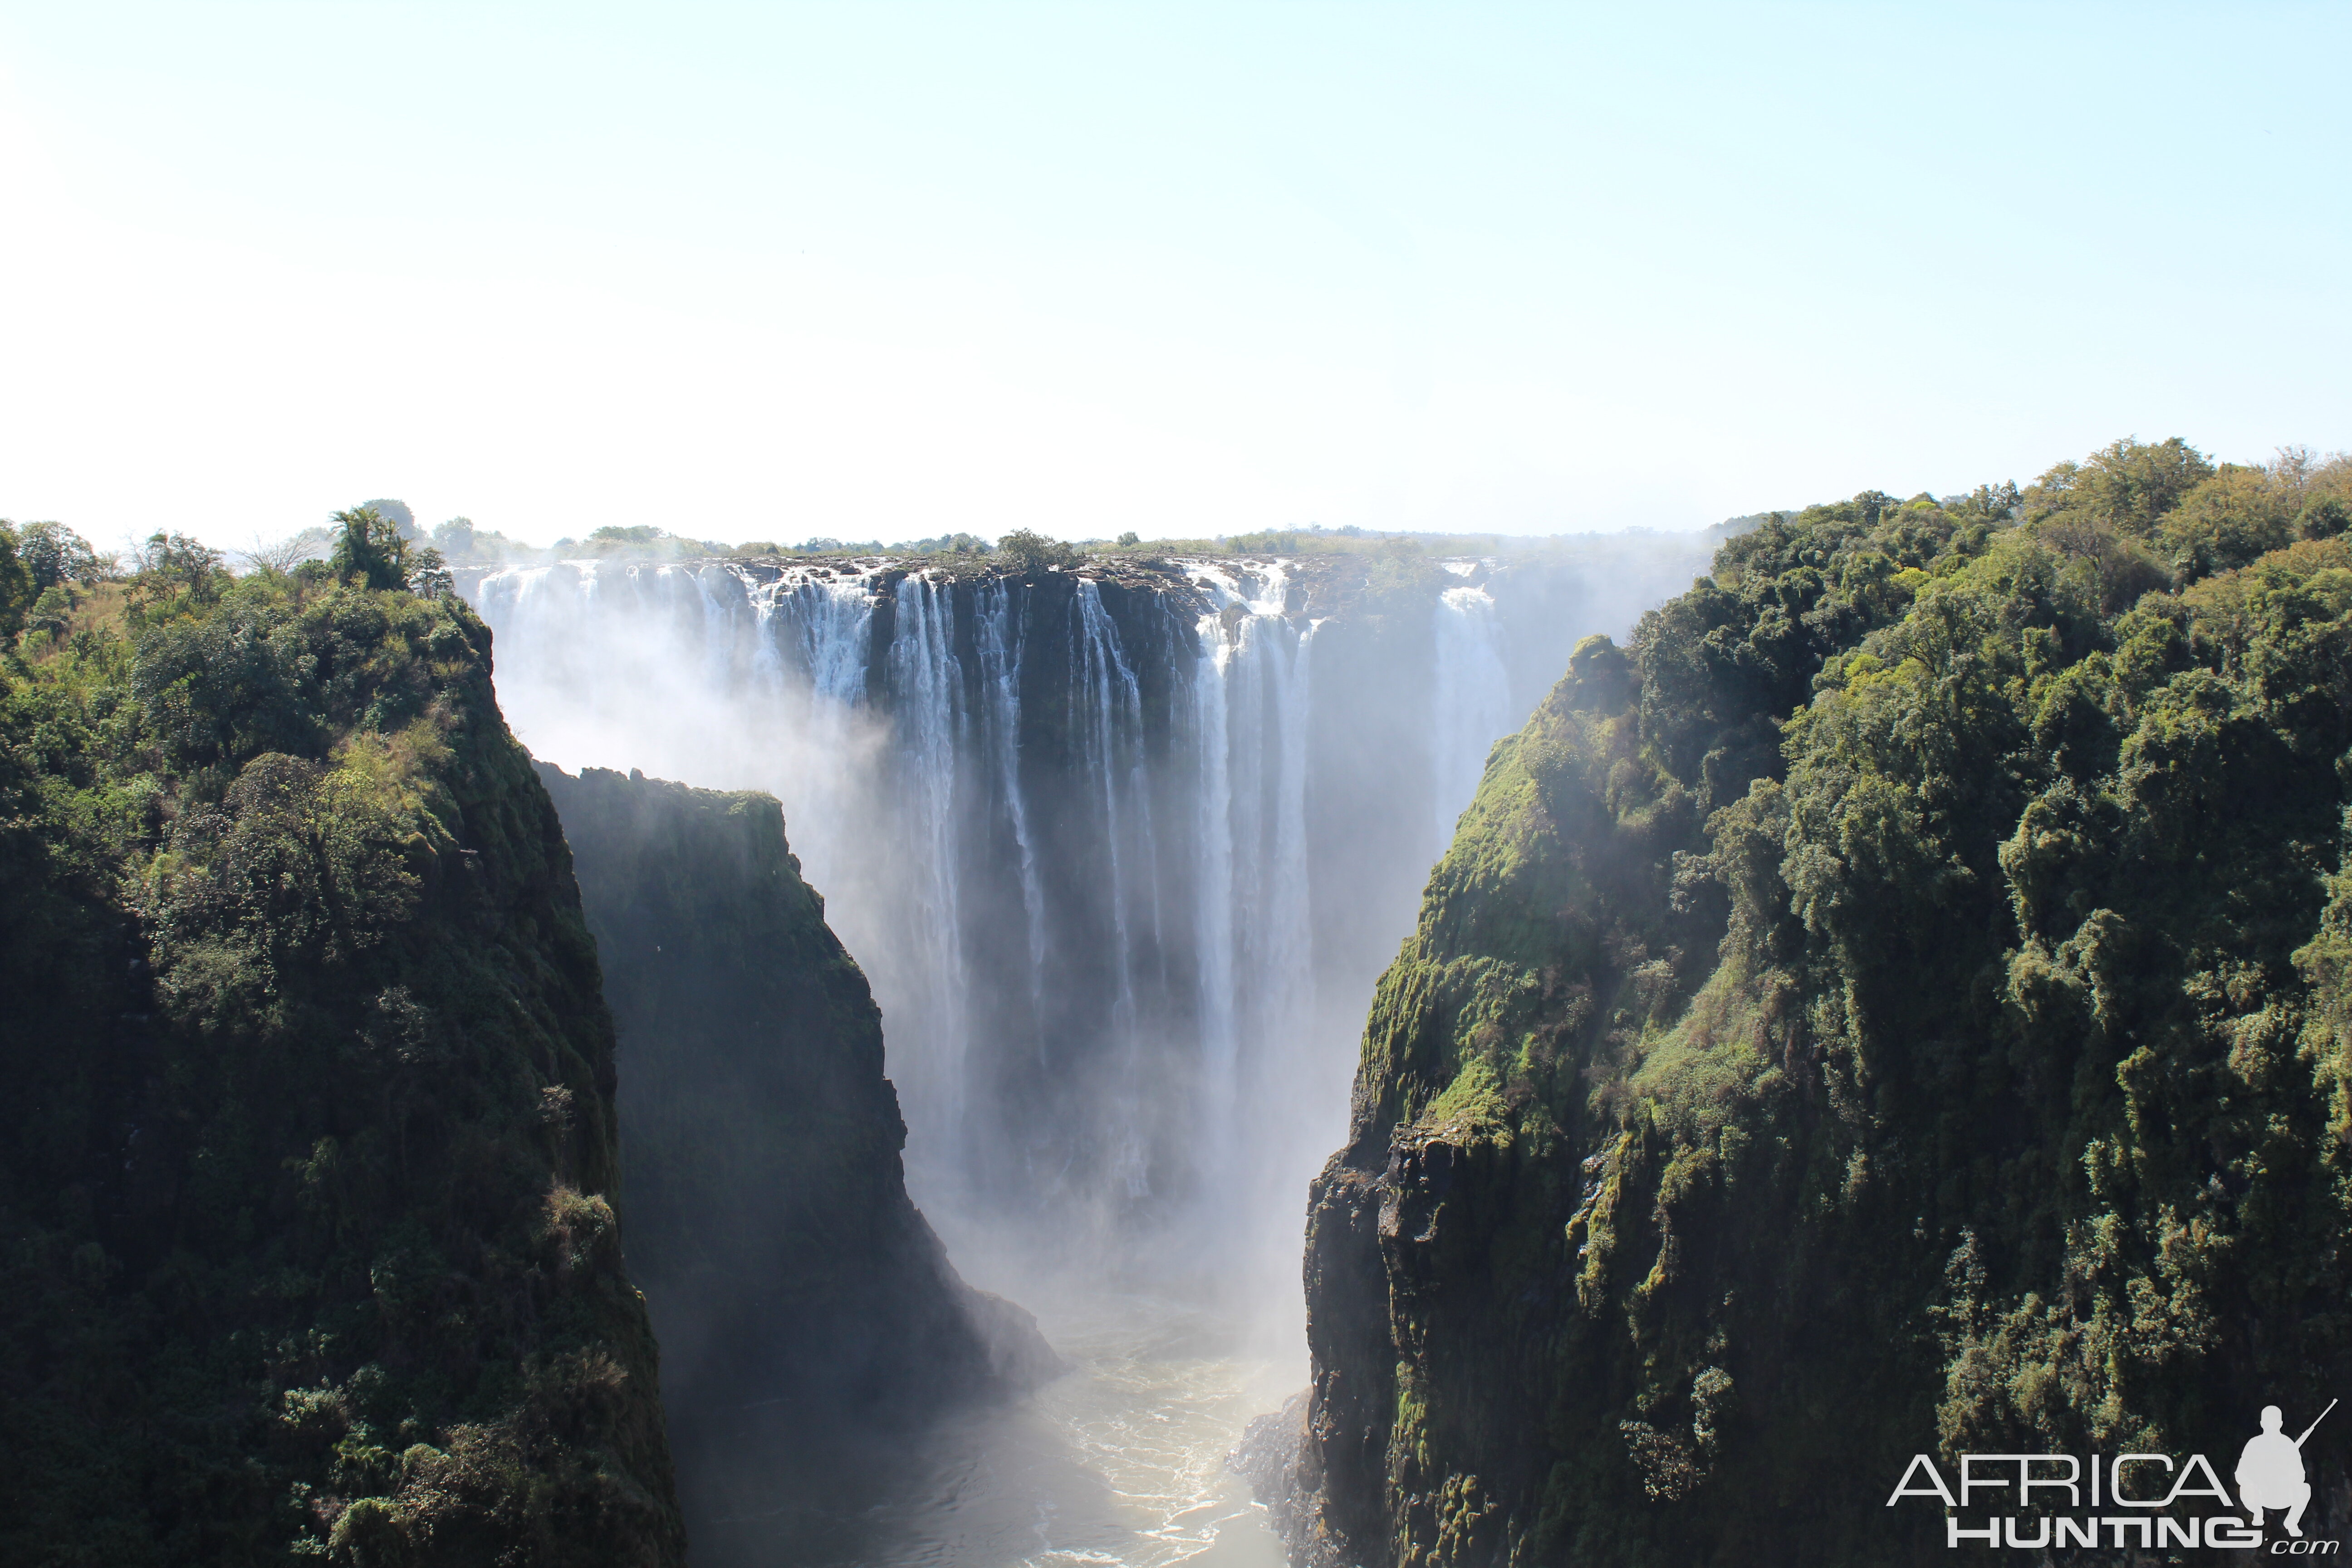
882	271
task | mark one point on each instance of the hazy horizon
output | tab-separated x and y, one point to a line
890	272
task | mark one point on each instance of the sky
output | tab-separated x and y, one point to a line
889	270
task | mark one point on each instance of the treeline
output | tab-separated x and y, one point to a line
459	542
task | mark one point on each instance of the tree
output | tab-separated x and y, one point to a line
174	563
1025	550
396	512
285	555
455	539
55	553
2128	484
2326	518
371	548
1995	504
16	590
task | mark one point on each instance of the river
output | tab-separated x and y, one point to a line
1120	1462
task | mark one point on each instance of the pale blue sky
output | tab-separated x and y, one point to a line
895	270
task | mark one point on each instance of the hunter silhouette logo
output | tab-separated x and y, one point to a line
2270	1472
2125	1500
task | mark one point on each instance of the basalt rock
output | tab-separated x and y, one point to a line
795	1289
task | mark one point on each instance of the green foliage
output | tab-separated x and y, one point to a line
2127	485
1269	542
370	548
172	574
46	570
58	557
305	1102
1909	996
1023	550
17	584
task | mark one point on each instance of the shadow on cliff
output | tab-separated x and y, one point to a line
812	1328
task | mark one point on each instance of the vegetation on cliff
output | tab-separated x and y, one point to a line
1903	1002
305	1090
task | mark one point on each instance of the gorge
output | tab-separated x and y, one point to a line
1120	849
1885	1001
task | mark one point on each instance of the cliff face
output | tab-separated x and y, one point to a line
306	1105
795	1289
1900	1008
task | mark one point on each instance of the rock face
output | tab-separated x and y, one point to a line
794	1287
306	1106
1899	1009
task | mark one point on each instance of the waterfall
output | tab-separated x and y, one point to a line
1252	919
1472	705
811	649
1120	851
1213	917
1106	717
997	635
927	691
830	626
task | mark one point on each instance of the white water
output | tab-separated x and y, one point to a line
1097	964
1256	984
1472	708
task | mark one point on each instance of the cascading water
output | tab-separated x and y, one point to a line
1252	919
927	693
1472	703
1105	719
1121	856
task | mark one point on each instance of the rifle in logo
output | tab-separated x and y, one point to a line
2270	1470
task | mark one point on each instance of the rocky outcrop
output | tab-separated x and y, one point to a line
796	1287
306	1105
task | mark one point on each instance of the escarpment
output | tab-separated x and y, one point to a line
796	1287
306	1102
1896	1006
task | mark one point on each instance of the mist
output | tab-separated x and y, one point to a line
1122	850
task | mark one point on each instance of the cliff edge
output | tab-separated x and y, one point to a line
1897	1008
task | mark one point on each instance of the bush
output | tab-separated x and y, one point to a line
1023	550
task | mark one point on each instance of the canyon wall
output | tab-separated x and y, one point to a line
307	1139
1896	1008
